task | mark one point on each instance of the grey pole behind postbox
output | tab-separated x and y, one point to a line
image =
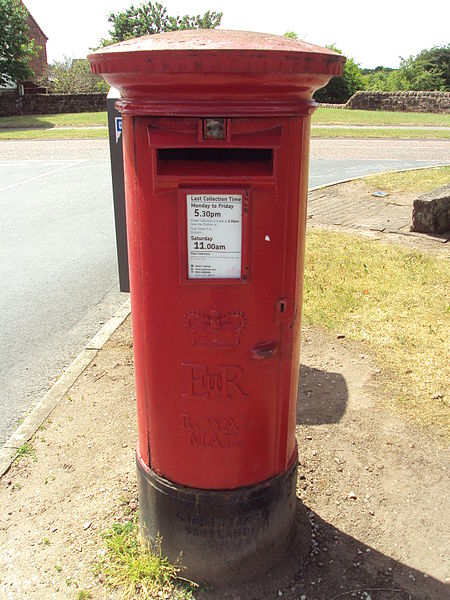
116	152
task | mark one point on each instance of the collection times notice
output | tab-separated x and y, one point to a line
214	232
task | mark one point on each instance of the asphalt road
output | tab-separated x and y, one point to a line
58	273
57	249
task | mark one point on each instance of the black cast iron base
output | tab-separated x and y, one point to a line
224	537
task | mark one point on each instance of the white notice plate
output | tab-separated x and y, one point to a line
214	236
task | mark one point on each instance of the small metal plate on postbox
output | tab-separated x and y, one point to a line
214	129
214	236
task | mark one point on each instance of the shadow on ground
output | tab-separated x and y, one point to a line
28	122
337	567
322	397
340	566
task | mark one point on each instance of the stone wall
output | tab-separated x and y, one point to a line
431	102
50	104
46	104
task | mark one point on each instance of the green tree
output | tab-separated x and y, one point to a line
384	79
429	70
16	48
74	76
340	89
151	17
290	35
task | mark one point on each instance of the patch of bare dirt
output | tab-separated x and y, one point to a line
57	503
375	489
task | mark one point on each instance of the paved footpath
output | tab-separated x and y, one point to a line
381	149
360	211
363	149
327	206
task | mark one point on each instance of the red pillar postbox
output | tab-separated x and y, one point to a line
216	137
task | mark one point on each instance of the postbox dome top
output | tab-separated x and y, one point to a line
213	39
182	61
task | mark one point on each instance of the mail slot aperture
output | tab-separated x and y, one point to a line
217	161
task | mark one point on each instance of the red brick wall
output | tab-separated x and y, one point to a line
38	62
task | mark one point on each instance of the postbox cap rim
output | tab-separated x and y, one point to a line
216	72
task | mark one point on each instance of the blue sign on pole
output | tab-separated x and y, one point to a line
118	126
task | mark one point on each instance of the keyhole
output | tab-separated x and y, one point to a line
281	307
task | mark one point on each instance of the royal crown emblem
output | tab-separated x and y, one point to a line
214	330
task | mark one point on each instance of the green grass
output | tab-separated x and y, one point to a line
334	116
74	120
405	134
322	116
135	571
26	449
53	134
396	301
47	127
420	180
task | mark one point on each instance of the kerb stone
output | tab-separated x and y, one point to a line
431	212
